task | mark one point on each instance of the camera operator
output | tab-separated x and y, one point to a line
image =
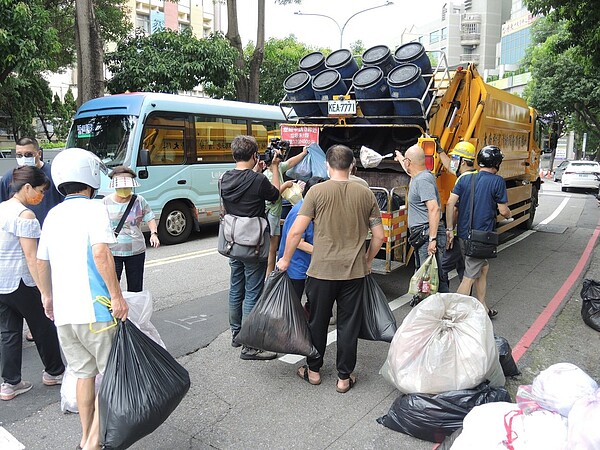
274	208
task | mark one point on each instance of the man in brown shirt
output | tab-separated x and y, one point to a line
343	213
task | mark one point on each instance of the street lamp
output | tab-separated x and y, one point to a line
343	27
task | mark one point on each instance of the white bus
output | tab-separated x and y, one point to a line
178	146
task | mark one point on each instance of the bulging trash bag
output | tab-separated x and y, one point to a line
142	386
140	312
446	343
312	165
590	306
433	417
277	322
382	201
509	366
584	418
504	426
561	385
378	323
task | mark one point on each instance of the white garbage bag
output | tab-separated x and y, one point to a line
68	391
369	158
501	425
140	312
446	343
561	385
584	418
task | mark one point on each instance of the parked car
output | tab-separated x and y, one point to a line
581	174
560	169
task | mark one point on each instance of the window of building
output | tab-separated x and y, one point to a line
143	21
513	46
183	26
434	36
444	33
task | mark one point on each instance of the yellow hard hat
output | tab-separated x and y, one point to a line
464	149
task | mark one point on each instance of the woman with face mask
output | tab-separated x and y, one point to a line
130	249
19	297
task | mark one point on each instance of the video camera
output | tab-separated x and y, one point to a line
271	151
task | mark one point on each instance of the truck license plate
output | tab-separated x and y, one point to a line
341	107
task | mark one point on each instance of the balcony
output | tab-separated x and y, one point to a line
469	58
470	18
470	39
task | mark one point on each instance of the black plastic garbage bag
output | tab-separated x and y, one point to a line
590	307
382	201
433	417
509	366
449	441
141	387
378	323
277	323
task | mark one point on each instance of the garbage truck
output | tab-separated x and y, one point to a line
449	106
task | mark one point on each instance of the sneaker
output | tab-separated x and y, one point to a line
51	380
233	343
249	353
10	391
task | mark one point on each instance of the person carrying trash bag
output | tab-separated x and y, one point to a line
343	213
76	270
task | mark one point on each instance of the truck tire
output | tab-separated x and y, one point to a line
175	224
528	224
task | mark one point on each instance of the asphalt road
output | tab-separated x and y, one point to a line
189	284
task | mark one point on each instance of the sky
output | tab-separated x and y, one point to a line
375	27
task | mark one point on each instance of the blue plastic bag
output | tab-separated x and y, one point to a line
313	165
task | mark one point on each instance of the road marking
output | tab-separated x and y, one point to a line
545	316
8	441
183	257
404	299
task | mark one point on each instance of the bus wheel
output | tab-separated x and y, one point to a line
175	223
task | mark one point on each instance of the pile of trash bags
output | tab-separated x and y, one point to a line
590	305
559	410
445	360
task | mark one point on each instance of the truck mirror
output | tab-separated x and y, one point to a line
144	159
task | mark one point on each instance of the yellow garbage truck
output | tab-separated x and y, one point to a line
456	105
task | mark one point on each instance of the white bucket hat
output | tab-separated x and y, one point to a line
118	182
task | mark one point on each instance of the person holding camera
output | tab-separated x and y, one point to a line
274	209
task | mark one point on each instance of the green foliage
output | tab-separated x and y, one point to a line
56	144
170	61
62	113
22	98
581	19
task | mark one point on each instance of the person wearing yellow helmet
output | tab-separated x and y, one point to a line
462	158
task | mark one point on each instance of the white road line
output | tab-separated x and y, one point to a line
8	441
404	299
184	257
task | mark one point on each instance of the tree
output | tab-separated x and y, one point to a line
90	52
247	86
560	84
170	61
62	114
581	21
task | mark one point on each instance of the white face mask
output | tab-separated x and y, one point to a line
25	161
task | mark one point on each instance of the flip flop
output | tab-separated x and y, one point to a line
351	383
304	375
492	313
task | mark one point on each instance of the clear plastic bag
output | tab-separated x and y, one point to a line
425	281
68	391
293	194
140	312
312	165
445	343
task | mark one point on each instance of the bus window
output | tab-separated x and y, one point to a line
164	138
214	136
263	131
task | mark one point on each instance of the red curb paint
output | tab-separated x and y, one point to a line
541	321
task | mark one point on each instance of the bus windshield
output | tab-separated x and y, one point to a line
105	136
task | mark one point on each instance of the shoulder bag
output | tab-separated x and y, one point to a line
117	230
242	238
479	244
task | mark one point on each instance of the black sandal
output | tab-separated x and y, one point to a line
305	377
351	383
492	313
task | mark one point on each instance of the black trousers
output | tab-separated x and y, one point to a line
26	303
322	294
134	270
298	285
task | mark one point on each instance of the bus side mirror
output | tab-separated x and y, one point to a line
144	160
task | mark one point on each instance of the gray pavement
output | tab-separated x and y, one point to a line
251	404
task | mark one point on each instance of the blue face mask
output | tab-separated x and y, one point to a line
26	161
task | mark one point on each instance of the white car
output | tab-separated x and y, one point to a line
581	174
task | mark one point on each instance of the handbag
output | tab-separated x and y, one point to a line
243	238
418	235
479	244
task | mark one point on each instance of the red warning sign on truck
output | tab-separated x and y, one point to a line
300	135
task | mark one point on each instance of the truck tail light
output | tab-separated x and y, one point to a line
428	145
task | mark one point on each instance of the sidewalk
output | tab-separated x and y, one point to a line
263	404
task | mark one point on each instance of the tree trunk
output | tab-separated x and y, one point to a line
90	53
258	55
233	35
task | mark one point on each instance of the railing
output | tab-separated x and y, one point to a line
467	58
470	38
471	18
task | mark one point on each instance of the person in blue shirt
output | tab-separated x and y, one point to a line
301	258
490	195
